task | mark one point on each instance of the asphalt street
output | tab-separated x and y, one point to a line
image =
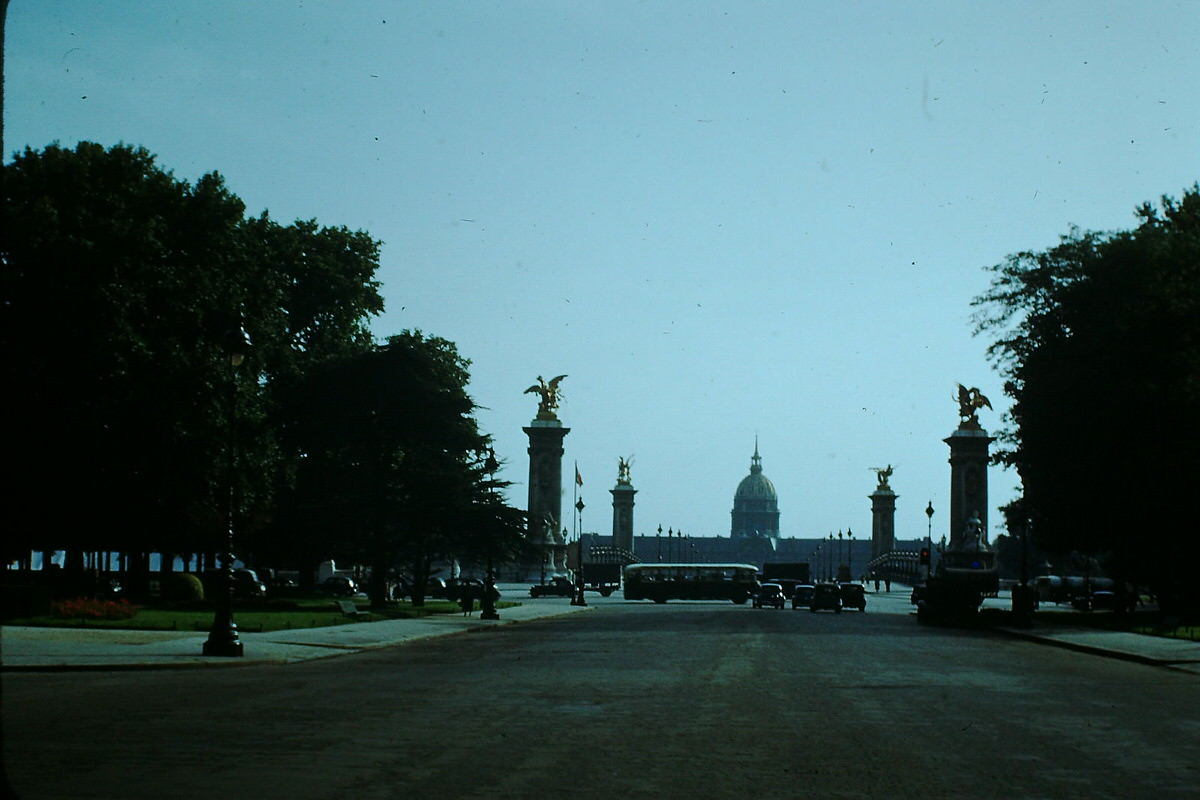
624	700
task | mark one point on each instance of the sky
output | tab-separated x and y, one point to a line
725	222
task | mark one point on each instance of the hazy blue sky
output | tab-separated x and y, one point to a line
720	219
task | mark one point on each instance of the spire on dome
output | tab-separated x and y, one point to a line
756	461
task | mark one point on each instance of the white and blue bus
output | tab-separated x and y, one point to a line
663	582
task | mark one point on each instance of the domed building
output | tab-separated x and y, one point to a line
755	504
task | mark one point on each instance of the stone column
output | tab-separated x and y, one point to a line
883	520
545	488
622	525
968	480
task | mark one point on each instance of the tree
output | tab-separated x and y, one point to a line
1099	342
389	454
118	284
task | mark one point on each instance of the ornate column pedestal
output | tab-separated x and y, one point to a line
968	480
883	520
545	489
622	525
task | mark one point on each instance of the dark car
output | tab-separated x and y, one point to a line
245	583
1097	601
826	597
853	596
435	587
802	596
557	587
340	586
769	594
457	588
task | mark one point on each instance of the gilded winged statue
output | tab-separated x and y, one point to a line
623	465
549	393
969	403
883	473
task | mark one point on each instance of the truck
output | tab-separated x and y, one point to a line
965	575
788	574
602	577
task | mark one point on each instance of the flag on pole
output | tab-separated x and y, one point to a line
578	477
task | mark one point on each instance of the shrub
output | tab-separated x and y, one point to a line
93	608
182	587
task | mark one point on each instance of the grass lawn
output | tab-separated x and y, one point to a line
304	613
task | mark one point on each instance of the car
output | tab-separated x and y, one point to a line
826	597
557	587
853	596
245	583
456	588
1102	600
340	586
435	587
802	596
769	594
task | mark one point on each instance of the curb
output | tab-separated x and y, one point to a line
1078	647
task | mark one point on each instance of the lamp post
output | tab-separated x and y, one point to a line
578	599
223	636
487	606
850	554
659	540
838	576
829	559
929	538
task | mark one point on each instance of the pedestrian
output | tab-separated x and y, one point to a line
888	583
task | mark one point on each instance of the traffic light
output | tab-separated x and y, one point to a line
924	556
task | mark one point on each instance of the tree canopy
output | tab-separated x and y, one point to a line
1099	342
119	284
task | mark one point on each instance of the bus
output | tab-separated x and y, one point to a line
663	582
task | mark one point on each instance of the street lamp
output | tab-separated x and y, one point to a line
223	636
929	538
659	540
850	554
838	577
487	607
578	599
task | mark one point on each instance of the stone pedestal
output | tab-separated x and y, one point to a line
545	489
968	481
622	525
883	521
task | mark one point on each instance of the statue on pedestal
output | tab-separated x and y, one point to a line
623	465
549	393
969	403
883	473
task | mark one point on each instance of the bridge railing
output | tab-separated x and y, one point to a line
903	566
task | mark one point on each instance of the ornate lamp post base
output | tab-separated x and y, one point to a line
223	641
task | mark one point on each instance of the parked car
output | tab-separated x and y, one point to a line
769	594
457	587
802	596
826	597
340	586
853	596
435	587
557	587
245	583
1097	601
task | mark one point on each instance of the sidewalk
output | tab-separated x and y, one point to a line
1180	654
44	649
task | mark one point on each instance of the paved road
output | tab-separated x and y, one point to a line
627	700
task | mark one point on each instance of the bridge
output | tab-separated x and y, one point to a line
901	566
